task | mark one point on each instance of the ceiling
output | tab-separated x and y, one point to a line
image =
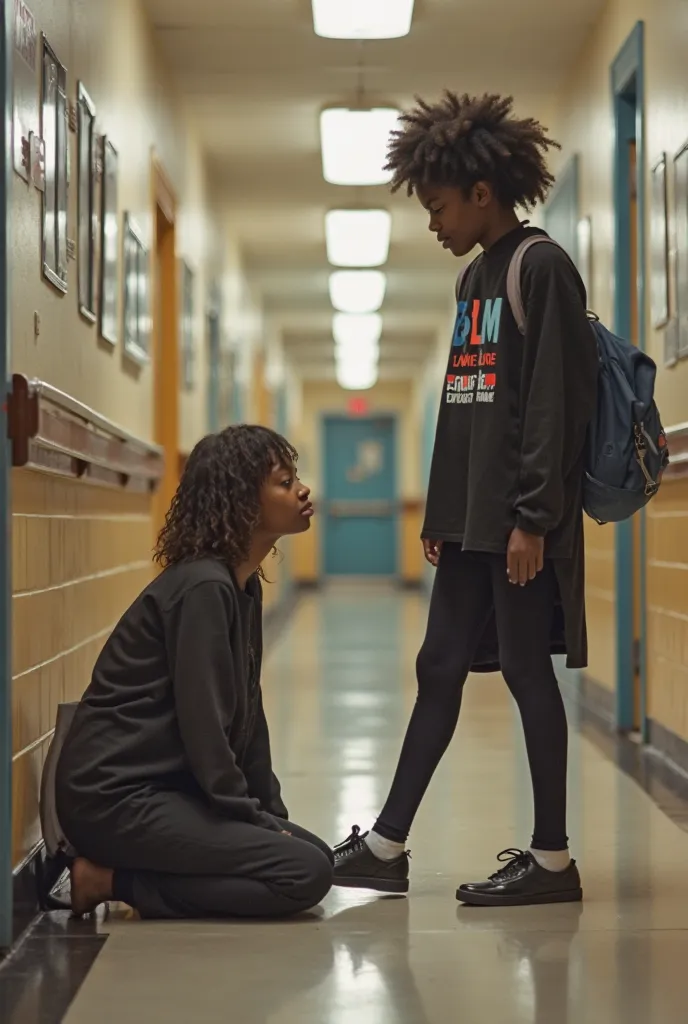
256	77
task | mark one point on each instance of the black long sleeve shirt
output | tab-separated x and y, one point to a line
175	703
515	409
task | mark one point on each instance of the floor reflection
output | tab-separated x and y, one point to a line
339	687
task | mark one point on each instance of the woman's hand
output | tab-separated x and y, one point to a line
432	549
525	557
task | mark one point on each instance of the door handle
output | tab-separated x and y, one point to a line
370	509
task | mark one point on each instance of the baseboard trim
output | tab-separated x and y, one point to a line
672	749
660	768
597	700
32	881
46	970
25	889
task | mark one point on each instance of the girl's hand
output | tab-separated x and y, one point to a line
432	549
525	557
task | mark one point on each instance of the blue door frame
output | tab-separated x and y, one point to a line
628	97
6	37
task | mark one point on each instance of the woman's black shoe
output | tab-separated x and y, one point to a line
357	868
523	882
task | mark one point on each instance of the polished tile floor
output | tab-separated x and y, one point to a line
339	686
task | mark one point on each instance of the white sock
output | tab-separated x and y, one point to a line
383	849
552	860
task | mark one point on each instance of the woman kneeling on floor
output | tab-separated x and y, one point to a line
165	784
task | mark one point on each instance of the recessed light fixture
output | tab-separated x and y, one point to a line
362	19
357	349
357	329
357	238
356	376
357	291
354	145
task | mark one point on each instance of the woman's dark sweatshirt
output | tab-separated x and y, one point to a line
175	704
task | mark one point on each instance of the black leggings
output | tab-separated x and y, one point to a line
468	586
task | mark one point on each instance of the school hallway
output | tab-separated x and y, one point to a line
339	686
198	231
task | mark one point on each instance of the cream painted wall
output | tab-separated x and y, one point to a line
203	245
109	46
583	123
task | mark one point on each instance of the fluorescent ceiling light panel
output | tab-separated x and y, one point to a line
349	359
358	238
356	354
356	328
357	291
362	19
357	378
354	145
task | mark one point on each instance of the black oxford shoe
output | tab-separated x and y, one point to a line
356	867
521	883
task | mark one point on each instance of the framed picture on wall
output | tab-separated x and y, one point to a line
136	278
188	345
681	215
584	246
54	132
659	245
109	246
87	215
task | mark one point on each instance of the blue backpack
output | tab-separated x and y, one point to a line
627	448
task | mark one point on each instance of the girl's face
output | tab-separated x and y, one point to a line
285	507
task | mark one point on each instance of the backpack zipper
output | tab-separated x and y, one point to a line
651	487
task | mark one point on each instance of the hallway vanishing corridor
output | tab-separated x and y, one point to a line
339	685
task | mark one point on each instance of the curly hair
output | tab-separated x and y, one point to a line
217	505
465	139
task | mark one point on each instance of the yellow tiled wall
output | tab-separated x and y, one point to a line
412	564
81	554
667	607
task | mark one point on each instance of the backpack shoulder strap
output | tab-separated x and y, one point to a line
513	278
464	272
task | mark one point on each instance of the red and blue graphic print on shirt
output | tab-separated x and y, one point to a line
476	335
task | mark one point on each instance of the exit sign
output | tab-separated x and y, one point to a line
357	407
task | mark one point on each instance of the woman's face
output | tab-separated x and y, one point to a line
284	503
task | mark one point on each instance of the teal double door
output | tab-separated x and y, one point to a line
360	508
